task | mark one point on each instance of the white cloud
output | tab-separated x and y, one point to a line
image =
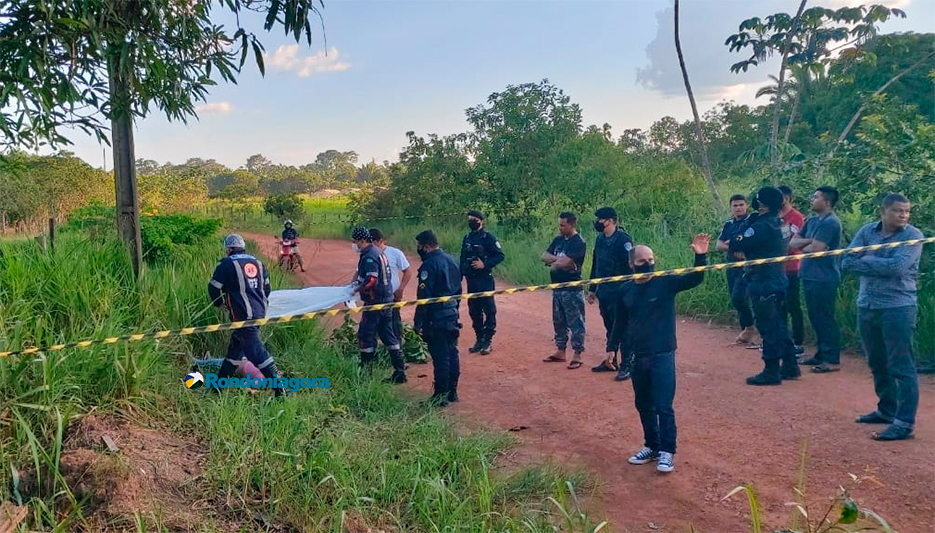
287	58
219	108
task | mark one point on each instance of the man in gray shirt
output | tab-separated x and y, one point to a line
887	311
821	277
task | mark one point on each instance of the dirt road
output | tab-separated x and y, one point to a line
728	433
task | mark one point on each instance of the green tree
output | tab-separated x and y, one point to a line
808	38
76	63
514	138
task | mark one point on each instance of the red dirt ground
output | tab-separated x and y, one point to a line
729	433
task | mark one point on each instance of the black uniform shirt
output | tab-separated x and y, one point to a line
762	239
439	275
611	258
374	274
242	283
483	245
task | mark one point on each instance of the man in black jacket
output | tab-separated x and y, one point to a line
611	258
241	283
480	253
437	324
645	327
766	285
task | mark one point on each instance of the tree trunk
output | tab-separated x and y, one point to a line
795	107
860	110
128	208
698	132
777	111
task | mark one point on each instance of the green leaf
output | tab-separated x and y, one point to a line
849	512
258	53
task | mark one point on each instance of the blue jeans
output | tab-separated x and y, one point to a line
654	388
568	315
820	298
886	335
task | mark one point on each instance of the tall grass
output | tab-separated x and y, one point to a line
360	452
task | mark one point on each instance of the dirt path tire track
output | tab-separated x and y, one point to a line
728	433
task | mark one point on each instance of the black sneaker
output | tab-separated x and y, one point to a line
486	348
790	373
477	346
437	401
453	396
622	375
765	378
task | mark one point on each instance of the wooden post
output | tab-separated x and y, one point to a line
52	233
41	240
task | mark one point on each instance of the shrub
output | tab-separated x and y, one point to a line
283	205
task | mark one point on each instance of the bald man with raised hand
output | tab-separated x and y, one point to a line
645	327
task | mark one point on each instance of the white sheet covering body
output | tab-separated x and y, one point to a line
299	301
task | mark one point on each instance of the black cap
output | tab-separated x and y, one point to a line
475	213
606	212
771	197
427	238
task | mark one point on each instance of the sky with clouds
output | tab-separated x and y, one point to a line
386	68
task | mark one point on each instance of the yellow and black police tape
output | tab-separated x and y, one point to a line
195	330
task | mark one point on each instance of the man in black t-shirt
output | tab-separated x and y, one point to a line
565	256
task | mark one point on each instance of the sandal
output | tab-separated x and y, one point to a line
574	364
604	367
824	368
554	359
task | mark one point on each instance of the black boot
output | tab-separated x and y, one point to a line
626	366
477	345
439	397
769	376
453	391
486	348
399	368
790	367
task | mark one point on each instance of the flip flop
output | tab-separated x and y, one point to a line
604	367
824	368
574	364
553	359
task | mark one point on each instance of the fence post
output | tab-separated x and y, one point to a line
41	240
3	223
52	233
665	228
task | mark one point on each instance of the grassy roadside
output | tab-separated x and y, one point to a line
359	452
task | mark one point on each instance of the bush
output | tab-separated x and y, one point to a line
283	205
162	235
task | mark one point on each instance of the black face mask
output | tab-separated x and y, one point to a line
422	253
599	226
645	268
474	225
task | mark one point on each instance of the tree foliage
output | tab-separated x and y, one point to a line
58	59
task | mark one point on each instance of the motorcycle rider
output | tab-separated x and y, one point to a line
290	234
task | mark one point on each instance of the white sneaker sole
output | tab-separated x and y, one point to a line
665	469
634	461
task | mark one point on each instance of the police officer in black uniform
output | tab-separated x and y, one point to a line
611	258
373	284
480	253
766	285
241	283
437	324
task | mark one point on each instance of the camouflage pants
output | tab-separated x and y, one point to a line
568	315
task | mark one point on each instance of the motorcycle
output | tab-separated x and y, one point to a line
288	255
